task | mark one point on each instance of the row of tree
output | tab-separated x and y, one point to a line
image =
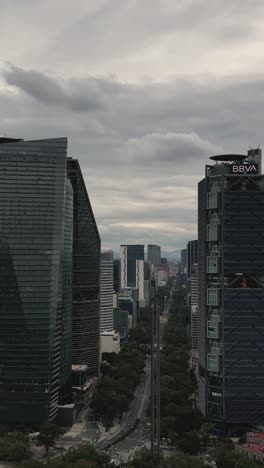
180	421
120	376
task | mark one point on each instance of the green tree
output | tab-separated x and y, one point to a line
182	461
145	459
205	432
189	443
244	462
48	434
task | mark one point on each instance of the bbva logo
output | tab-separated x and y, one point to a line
245	169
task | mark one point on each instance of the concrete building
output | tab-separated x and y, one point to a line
106	291
231	289
110	342
129	254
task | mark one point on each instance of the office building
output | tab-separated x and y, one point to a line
183	267
36	204
86	276
231	289
143	282
106	292
121	324
154	255
129	254
116	285
194	314
191	256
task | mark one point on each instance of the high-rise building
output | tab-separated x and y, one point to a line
106	292
143	282
191	256
116	285
231	289
129	254
86	275
36	203
154	254
193	307
183	268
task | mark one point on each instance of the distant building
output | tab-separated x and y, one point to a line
163	276
143	282
154	254
183	267
128	300
192	256
231	289
121	324
106	291
129	254
163	261
116	285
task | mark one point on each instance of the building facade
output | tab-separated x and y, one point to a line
86	275
36	203
154	255
116	284
231	289
106	292
129	254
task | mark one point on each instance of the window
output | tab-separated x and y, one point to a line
212	362
213	264
213	327
212	200
212	296
212	232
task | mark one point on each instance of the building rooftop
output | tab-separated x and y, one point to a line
79	367
229	157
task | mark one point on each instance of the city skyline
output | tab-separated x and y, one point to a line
143	106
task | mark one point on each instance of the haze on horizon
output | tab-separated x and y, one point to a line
145	91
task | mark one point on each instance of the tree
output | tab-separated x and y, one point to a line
48	434
244	462
18	452
183	461
189	443
145	459
205	433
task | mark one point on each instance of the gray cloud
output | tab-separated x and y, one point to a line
54	93
144	94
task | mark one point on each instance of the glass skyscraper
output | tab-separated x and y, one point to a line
86	275
231	289
36	203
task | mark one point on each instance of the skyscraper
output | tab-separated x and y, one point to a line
129	254
86	275
106	292
191	256
116	284
154	254
231	289
35	282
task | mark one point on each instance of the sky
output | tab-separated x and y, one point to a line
145	90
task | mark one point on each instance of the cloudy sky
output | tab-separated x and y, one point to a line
145	90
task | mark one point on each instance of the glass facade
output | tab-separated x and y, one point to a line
35	249
134	253
231	295
86	275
